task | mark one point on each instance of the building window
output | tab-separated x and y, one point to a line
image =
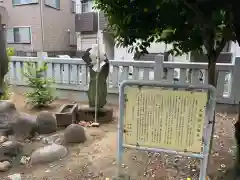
19	35
87	6
53	3
21	2
73	7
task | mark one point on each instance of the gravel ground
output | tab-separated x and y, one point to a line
95	159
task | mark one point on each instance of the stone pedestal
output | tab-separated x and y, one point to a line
67	115
87	114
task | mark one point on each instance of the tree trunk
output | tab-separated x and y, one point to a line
212	78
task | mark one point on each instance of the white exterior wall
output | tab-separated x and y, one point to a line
84	42
122	53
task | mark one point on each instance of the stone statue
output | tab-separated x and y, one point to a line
90	57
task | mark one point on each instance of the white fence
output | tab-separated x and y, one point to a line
73	74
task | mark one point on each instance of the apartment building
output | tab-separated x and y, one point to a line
41	25
90	26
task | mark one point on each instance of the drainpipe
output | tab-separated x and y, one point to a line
42	25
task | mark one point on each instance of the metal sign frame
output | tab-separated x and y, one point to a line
209	113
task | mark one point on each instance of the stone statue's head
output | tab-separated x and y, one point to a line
91	54
94	53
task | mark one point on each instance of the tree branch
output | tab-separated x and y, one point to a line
196	10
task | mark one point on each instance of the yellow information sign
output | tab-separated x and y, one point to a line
164	118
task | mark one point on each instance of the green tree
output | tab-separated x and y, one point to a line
42	92
203	26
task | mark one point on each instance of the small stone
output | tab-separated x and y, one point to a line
25	160
223	166
134	157
58	141
45	141
38	138
28	141
5	166
52	165
7	143
74	133
15	177
215	136
3	139
230	150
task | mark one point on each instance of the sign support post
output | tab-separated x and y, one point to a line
170	118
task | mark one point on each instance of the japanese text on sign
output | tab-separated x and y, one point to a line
162	118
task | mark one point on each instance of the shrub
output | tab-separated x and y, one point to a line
42	93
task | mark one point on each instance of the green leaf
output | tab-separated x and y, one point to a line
187	25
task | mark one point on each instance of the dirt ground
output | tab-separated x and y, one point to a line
96	158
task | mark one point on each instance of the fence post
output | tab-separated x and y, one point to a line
42	55
235	84
158	69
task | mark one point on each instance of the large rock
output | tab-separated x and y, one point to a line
23	125
48	154
74	133
46	122
7	106
10	148
7	114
